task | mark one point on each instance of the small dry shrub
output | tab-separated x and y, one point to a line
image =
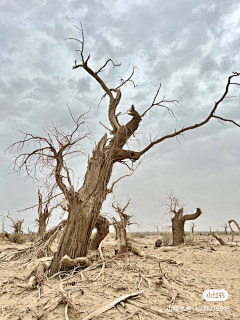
166	238
188	240
17	238
32	236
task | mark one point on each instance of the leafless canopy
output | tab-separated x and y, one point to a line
114	95
125	218
172	203
47	164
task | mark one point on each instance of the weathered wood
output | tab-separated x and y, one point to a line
223	243
110	305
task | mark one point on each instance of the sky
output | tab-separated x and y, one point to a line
189	46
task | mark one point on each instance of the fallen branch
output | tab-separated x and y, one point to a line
110	305
164	249
223	243
147	308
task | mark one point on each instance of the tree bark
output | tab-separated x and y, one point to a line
85	206
178	222
121	237
43	215
102	226
42	225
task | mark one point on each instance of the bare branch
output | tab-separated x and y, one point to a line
129	79
47	163
193	216
211	115
109	60
162	104
226	120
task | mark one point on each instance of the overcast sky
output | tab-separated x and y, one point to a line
189	46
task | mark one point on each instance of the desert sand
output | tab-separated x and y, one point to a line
196	266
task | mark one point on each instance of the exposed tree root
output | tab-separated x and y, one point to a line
223	243
142	254
67	263
41	248
36	276
63	298
32	283
162	281
110	305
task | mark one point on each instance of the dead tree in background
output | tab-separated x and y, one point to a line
210	230
225	228
156	226
121	227
175	208
235	222
16	225
51	153
43	214
4	234
232	231
102	226
192	229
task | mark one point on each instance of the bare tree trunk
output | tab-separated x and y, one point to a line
192	228
42	226
84	207
102	226
178	222
43	215
178	230
121	237
120	227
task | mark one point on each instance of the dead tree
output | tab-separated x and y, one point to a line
102	226
192	229
156	226
225	228
210	230
43	214
4	234
232	231
51	153
121	227
235	222
175	208
16	225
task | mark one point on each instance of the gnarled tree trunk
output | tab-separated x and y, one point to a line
102	226
121	236
84	207
178	222
43	215
120	227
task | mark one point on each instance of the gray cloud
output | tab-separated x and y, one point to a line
189	46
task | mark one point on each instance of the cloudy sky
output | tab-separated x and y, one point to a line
189	46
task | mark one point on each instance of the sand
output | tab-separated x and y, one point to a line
200	265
